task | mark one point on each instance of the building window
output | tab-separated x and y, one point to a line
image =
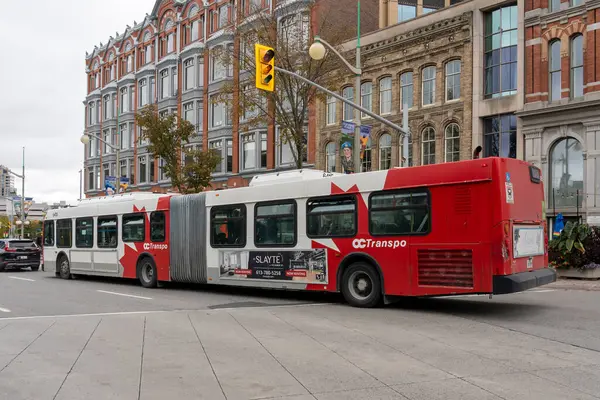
554	5
188	74
130	63
577	66
410	152
223	16
428	146
366	97
331	104
162	176
200	72
143	92
365	156
453	80
218	67
500	136
188	112
124	100
399	212
428	85
407	9
217	111
91	181
249	151
348	94
228	226
123	169
566	173
107	107
332	216
171	42
385	151
195	27
229	161
174	81
288	147
143	175
500	52
555	71
385	95
452	143
217	147
330	158
164	83
275	224
107	149
432	5
263	150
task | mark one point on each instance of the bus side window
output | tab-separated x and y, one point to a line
333	216
107	232
399	213
49	233
134	227
228	226
84	232
64	231
157	226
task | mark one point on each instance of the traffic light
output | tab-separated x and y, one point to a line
265	67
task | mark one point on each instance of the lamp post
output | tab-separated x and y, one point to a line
317	52
85	139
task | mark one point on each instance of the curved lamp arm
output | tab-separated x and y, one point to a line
356	71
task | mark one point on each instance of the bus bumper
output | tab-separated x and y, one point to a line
504	284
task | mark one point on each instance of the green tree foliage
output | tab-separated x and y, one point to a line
168	137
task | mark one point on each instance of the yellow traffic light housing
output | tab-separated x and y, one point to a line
265	67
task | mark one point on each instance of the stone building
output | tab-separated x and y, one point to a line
561	114
463	78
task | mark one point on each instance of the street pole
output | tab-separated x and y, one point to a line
23	198
357	97
80	183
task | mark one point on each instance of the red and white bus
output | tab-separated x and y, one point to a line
474	226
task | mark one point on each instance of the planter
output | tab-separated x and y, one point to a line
581	274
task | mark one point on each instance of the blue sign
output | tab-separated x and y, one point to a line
348	127
365	130
508	177
110	185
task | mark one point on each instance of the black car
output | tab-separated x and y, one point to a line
19	253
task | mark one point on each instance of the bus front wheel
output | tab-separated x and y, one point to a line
361	285
64	268
147	273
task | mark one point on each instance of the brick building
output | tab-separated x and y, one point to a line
463	80
173	59
561	114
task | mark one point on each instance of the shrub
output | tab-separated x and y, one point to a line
578	246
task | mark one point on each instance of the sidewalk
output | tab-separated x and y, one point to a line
575	284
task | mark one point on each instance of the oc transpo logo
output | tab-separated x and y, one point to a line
370	243
153	246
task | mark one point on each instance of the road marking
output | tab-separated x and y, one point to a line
22	279
6	310
543	290
126	295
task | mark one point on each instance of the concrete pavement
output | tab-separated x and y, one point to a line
194	344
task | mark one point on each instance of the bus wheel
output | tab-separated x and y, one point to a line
65	268
147	273
361	285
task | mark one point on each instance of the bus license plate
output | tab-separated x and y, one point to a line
530	263
22	258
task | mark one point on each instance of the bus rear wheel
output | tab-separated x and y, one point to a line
147	273
361	285
64	268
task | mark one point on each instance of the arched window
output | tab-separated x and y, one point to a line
365	153
566	173
111	57
555	76
453	80
193	11
168	24
406	89
128	47
366	98
385	95
330	157
428	83
348	94
428	146
577	66
452	143
385	151
147	36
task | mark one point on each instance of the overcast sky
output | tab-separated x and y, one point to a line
43	85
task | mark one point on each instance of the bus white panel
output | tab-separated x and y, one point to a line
81	260
106	261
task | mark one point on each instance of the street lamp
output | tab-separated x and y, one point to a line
85	139
317	52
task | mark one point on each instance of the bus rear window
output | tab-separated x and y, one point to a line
535	174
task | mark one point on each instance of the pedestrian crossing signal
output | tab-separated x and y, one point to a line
265	67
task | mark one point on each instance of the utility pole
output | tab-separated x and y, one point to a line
80	183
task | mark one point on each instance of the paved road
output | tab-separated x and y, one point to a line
97	339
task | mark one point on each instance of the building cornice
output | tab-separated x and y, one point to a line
558	108
541	16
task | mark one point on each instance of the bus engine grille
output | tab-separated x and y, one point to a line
450	268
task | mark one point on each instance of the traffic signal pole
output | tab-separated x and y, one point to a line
337	96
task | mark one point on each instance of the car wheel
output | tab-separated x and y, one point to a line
65	268
361	285
147	273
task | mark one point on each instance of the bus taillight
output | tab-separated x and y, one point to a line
506	243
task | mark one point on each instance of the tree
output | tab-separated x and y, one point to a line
4	225
168	137
288	105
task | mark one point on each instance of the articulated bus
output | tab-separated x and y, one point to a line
468	227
